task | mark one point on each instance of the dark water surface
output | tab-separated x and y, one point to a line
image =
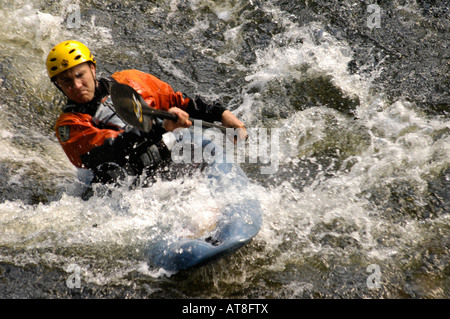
358	207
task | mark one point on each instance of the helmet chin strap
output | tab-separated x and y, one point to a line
95	82
93	77
57	86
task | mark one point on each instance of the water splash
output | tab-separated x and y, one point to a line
362	179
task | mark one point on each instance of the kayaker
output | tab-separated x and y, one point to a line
94	137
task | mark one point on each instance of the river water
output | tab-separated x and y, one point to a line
358	206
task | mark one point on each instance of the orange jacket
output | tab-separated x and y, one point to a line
155	92
79	135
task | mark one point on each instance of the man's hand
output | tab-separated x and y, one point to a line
230	120
183	120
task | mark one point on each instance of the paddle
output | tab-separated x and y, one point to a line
133	109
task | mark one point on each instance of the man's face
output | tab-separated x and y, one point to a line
78	82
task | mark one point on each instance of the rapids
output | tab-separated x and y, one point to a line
357	208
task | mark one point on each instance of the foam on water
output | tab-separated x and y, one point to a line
385	143
382	145
121	223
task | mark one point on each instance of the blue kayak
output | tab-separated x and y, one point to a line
238	223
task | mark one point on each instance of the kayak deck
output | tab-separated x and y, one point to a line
238	223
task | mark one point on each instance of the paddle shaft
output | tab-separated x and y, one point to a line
170	116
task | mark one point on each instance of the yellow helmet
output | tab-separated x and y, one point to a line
66	55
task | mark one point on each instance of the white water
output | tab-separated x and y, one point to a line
104	235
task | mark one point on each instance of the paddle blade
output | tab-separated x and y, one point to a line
131	107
